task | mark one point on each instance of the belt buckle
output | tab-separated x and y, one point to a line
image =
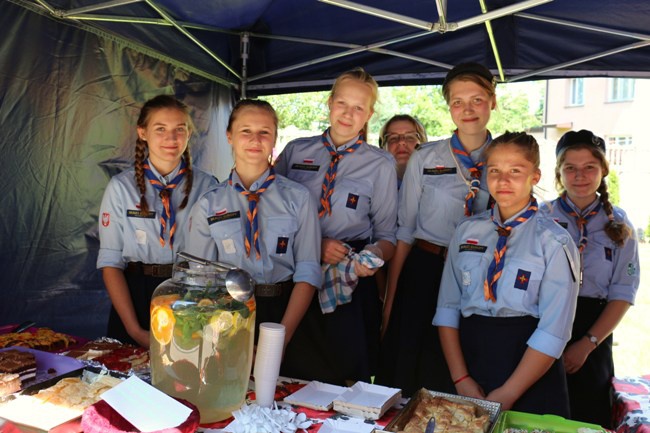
154	271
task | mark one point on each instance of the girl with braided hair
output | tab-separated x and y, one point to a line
609	271
143	214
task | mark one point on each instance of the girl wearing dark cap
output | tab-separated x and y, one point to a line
443	182
609	271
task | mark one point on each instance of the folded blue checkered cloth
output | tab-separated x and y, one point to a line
340	280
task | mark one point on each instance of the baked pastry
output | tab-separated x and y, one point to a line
452	416
74	393
43	339
9	383
18	362
112	354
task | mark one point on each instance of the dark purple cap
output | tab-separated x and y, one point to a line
471	68
583	136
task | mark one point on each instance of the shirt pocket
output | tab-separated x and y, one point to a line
471	266
229	237
279	235
352	195
518	287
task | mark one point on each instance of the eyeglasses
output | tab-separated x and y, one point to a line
409	138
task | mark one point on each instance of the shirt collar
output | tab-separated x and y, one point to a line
255	185
164	179
344	146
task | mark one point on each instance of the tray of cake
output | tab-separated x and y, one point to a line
22	367
44	339
453	414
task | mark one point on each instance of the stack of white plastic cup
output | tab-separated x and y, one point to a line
267	362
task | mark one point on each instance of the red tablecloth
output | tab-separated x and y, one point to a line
632	404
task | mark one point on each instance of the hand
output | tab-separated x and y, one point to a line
332	251
469	388
363	270
502	396
373	248
576	354
141	336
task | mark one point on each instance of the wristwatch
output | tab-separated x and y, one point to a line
592	338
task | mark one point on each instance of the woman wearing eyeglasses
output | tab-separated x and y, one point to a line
400	136
443	181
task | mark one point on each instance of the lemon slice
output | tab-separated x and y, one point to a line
162	324
222	322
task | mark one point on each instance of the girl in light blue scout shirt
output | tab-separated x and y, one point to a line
261	222
509	289
355	186
143	214
610	271
444	181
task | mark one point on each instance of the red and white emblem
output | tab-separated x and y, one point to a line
308	161
472	241
221	212
106	219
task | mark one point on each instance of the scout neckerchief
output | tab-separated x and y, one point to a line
581	220
168	216
496	267
330	176
475	170
252	228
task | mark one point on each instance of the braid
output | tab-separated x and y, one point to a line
189	178
140	147
617	231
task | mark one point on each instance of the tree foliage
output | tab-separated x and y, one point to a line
308	111
613	187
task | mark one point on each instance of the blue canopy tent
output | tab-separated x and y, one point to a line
73	74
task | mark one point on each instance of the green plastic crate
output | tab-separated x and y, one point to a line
550	423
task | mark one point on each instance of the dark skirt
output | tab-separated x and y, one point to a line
411	355
590	389
494	346
141	288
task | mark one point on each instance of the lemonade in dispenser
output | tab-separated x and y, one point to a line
202	329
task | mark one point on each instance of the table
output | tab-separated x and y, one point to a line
632	404
287	386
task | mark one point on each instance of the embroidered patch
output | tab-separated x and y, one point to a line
141	237
308	161
106	219
305	167
472	248
281	247
223	217
564	224
466	278
436	171
608	254
631	269
136	213
353	200
523	277
221	212
228	246
472	241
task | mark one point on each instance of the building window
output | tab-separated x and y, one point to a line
576	91
619	147
620	89
621	140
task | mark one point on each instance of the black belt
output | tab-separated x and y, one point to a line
164	271
431	248
272	290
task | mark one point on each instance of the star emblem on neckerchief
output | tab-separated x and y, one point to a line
168	216
325	206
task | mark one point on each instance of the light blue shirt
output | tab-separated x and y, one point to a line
364	202
432	196
537	279
126	236
288	224
609	271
